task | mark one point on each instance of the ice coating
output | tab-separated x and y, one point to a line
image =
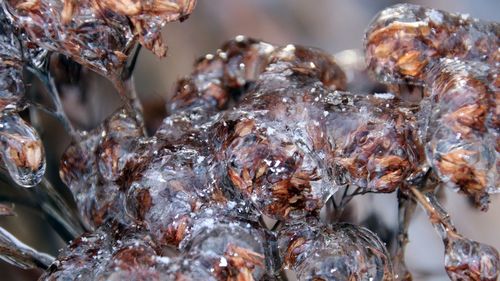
275	165
97	34
19	254
292	142
456	58
22	150
218	247
287	169
11	66
462	126
83	259
109	253
277	140
21	147
216	78
97	168
121	133
470	260
148	17
166	196
465	259
377	147
403	39
406	209
307	62
316	251
234	248
79	30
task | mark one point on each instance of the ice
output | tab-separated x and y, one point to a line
333	252
461	132
398	42
465	258
11	66
19	254
22	150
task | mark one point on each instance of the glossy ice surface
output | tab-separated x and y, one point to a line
403	39
342	251
262	130
97	34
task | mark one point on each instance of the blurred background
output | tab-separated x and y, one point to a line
332	25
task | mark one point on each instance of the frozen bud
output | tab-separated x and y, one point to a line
469	260
84	259
376	146
461	127
333	252
22	150
403	39
148	17
104	164
311	62
218	80
11	67
230	247
100	34
120	135
134	259
166	196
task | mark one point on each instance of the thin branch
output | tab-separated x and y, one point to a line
48	81
129	69
21	255
44	200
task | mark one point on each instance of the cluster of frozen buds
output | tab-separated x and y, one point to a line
261	130
96	34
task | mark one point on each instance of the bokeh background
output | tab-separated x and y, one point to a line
332	25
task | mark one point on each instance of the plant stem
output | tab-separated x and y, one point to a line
19	254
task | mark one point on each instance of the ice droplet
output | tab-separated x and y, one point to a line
22	150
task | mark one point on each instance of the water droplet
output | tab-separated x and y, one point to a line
22	151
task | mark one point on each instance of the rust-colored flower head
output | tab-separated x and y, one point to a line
259	130
311	62
459	125
376	145
232	249
148	17
167	195
274	164
97	34
11	67
101	165
120	136
403	39
218	79
333	252
469	260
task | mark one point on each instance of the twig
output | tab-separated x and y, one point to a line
48	81
19	254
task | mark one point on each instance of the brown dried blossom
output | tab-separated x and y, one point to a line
147	17
403	39
455	57
97	34
333	252
464	148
